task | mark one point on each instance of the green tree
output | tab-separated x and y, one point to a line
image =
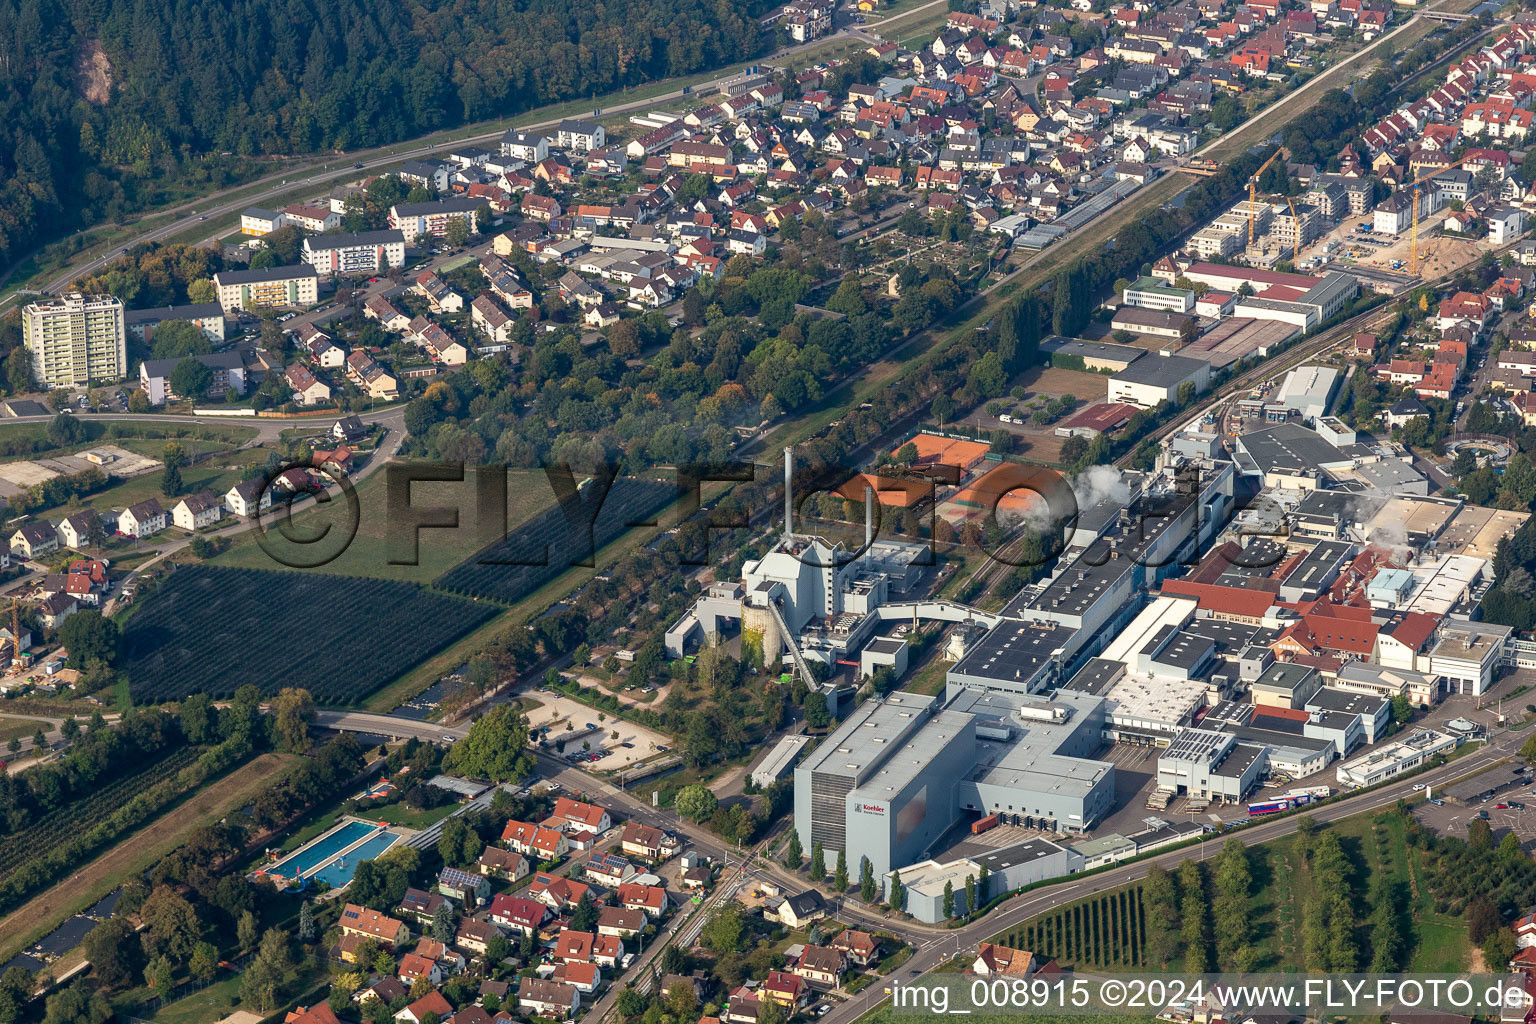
1402	709
114	951
818	863
794	853
159	975
171	927
292	712
307	930
695	802
247	931
90	638
190	379
948	905
442	922
204	964
494	749
174	339
584	917
840	873
725	931
457	232
898	892
970	893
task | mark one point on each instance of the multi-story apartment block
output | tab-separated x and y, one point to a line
75	339
275	286
367	252
414	220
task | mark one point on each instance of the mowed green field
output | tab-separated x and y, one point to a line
437	549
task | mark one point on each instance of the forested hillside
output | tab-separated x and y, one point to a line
101	103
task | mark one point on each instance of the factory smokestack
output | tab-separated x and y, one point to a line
789	491
869	516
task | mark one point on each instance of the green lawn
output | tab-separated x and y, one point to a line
20	728
397	813
438	550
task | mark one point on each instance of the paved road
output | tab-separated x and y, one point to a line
268	428
392	726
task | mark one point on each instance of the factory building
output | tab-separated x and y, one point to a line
898	773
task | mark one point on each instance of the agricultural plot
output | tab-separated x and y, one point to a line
552	542
22	852
208	630
1104	932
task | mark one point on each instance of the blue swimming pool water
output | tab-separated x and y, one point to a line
323	850
338	873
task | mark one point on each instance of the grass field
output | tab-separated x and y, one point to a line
20	728
25	925
438	550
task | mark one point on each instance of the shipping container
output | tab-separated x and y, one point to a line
985	824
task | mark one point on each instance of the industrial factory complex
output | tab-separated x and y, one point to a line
1228	630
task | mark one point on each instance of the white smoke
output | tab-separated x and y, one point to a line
1098	483
1393	537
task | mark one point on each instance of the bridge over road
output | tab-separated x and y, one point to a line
392	726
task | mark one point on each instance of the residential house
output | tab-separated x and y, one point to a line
647	843
820	965
467	887
651	899
788	990
608	869
620	921
75	529
371	924
858	947
420	905
306	387
548	998
801	909
582	817
517	914
473	936
142	519
248	498
556	892
992	959
35	539
196	511
432	1003
499	863
535	840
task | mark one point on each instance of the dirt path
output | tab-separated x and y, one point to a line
134	852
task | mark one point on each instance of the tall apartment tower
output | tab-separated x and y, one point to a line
75	339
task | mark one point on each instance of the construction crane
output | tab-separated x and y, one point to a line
1413	252
15	634
1296	222
1253	188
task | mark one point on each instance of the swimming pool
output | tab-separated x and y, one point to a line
339	871
320	850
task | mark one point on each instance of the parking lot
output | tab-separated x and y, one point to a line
1450	819
556	712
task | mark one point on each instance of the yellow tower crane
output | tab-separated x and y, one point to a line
1253	188
1413	252
1296	249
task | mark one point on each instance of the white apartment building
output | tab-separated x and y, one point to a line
75	339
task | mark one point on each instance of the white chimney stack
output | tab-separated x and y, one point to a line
869	516
789	491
